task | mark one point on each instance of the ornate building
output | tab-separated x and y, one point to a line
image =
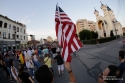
107	22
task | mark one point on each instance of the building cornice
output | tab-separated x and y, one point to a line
13	20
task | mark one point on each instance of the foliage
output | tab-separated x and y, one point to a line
84	35
94	35
102	40
111	33
87	35
123	34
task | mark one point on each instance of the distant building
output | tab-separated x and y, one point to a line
12	34
33	42
55	40
49	39
123	29
107	22
85	24
32	37
42	41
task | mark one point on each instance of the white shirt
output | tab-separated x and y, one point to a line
29	52
24	53
35	58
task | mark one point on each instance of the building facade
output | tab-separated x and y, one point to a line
12	34
85	24
107	22
123	29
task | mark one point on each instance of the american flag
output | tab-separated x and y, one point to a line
66	34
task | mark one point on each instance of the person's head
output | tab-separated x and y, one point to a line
46	55
121	54
11	62
44	75
7	55
112	70
20	69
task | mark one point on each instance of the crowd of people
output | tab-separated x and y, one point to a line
43	57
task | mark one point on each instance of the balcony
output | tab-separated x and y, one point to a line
9	39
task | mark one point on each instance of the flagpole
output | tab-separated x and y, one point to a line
59	21
58	13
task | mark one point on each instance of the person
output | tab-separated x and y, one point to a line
29	64
44	75
14	71
97	42
29	52
53	49
21	58
39	52
60	62
24	76
3	64
7	61
48	61
36	60
122	65
45	51
110	73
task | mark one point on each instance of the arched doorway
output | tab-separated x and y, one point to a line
101	28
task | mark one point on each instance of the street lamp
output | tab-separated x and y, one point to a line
15	38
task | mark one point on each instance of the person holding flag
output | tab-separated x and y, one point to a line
67	38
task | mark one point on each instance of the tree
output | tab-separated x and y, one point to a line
111	33
94	35
84	35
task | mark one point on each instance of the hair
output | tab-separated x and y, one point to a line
1	57
20	69
121	54
44	75
47	55
113	72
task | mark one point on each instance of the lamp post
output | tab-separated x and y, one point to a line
15	38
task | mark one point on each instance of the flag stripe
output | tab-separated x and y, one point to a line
66	34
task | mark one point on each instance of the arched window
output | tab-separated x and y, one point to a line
10	26
17	29
21	30
24	31
1	22
8	35
5	25
4	35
